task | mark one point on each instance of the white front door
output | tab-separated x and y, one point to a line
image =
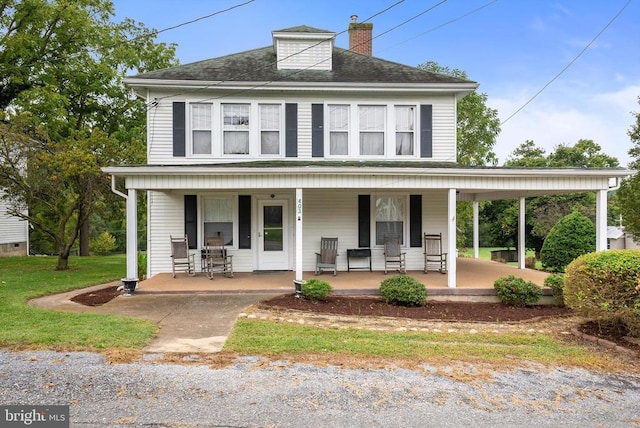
273	235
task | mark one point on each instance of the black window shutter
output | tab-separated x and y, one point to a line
179	129
415	220
244	221
426	131
291	130
364	221
191	219
317	130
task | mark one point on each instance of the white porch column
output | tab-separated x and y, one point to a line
521	234
601	220
132	239
451	233
299	249
476	229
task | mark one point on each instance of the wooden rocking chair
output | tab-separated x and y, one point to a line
217	259
326	258
393	255
181	260
433	254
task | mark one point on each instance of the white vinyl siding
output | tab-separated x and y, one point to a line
304	55
160	133
12	229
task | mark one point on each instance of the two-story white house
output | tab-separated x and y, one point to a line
14	234
276	147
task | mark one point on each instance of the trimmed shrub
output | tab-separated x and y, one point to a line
556	283
142	265
530	262
403	290
605	286
515	291
104	244
316	289
573	236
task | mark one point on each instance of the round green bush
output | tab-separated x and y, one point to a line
403	290
556	283
515	291
103	244
573	236
316	289
605	286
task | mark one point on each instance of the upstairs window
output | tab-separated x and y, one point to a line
372	129
338	130
235	129
405	130
201	128
270	129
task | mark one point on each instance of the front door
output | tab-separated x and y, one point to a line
273	235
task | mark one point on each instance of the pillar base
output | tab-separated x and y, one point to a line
130	285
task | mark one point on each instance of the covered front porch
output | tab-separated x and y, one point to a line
474	280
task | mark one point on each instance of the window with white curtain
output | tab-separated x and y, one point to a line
405	130
235	129
270	129
390	213
338	130
218	218
201	128
372	129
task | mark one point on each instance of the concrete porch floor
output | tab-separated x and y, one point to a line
475	277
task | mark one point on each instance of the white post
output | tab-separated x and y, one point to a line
476	229
132	234
521	234
299	249
451	233
601	220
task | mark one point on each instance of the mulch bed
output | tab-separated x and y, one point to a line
445	311
97	297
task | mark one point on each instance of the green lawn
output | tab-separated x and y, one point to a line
22	278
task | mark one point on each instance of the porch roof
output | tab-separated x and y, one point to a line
471	183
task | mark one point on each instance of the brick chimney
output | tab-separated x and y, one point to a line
360	36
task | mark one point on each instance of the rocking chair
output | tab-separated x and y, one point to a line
181	260
326	258
217	259
393	255
433	254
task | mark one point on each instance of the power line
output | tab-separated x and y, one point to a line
569	64
411	19
156	100
443	24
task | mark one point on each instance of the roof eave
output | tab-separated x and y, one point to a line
309	169
466	87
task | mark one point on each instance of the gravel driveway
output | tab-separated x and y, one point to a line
250	393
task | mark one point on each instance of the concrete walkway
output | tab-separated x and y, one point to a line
189	323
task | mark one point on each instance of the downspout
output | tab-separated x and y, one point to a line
131	281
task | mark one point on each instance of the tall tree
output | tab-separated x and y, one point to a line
478	125
68	112
628	196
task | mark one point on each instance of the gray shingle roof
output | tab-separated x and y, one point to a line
259	65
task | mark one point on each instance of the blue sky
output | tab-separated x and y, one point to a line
513	48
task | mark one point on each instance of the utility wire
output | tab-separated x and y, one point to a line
442	25
569	64
155	101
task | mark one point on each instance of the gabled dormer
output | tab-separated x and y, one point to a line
304	48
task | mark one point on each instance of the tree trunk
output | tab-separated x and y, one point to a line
63	261
84	237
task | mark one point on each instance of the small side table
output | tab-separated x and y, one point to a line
353	253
